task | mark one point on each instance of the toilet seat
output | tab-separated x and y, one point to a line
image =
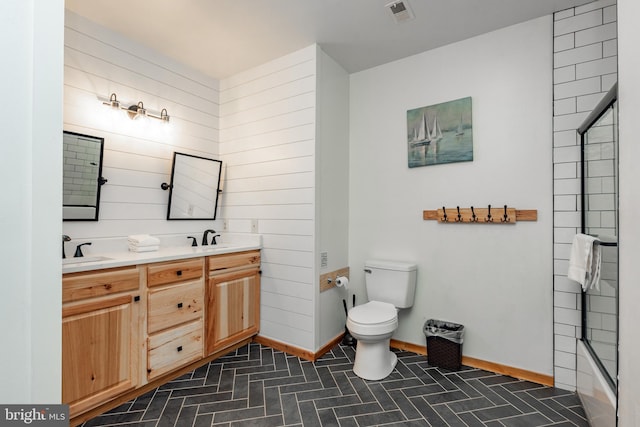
372	318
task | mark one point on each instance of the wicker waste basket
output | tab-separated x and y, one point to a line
444	344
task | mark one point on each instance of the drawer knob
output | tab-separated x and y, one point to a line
179	348
179	272
179	305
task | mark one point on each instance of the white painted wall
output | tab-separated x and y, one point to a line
496	280
629	93
268	140
31	214
137	155
332	191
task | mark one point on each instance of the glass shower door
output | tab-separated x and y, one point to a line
600	219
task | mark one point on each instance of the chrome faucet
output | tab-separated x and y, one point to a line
65	238
205	241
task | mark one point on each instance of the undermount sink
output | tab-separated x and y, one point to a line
82	260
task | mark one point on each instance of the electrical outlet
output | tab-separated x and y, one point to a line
225	225
324	259
190	210
254	225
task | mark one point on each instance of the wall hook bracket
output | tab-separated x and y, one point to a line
473	215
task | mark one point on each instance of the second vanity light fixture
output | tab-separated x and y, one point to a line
136	110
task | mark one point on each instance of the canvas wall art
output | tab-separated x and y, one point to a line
440	133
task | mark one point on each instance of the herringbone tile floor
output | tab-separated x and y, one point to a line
259	386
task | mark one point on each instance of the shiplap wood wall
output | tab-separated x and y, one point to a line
261	123
137	155
267	139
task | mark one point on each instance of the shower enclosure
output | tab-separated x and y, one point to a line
597	363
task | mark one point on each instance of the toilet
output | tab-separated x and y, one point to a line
390	286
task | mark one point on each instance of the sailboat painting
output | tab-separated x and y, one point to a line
440	133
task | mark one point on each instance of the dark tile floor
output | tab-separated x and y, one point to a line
259	386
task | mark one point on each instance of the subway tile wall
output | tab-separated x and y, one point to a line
585	68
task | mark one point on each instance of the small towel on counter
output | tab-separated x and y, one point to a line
585	261
143	240
143	243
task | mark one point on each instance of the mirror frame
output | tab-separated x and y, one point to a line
100	181
176	155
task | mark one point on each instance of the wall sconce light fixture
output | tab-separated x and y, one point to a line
136	110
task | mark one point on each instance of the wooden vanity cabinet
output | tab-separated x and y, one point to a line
233	299
126	329
175	313
101	336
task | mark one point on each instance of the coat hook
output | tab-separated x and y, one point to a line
489	219
445	215
473	216
505	217
459	219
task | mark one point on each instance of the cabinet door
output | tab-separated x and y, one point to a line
233	301
99	354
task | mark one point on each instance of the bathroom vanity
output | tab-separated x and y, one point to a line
129	325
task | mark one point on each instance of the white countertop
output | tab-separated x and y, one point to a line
96	261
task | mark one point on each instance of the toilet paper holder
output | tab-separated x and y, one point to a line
328	280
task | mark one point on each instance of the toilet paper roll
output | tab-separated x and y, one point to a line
342	281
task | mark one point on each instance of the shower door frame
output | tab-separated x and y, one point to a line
605	104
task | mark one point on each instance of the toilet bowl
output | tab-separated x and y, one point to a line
373	324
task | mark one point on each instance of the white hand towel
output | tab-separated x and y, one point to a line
134	248
143	240
584	261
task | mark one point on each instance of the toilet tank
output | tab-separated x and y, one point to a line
391	281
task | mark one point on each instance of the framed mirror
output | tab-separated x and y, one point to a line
81	176
194	188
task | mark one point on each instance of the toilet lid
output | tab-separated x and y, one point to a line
373	312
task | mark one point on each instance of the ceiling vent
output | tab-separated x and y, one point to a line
401	11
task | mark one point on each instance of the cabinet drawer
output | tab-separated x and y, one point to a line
175	304
79	286
173	272
233	261
174	347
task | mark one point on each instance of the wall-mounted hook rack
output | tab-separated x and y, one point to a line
487	215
